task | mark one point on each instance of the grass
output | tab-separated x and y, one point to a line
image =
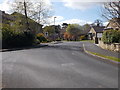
107	57
91	41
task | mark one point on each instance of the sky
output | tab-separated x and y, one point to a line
69	11
76	13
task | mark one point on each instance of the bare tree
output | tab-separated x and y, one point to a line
97	22
23	8
26	17
112	12
42	12
39	11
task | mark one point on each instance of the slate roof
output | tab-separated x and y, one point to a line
98	29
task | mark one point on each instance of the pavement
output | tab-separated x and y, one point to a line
62	65
95	48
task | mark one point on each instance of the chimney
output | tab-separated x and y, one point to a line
98	24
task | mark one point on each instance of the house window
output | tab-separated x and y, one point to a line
99	35
93	34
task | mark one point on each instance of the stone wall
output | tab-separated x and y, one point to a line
112	47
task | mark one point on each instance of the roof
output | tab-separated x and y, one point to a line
114	20
85	31
21	15
98	29
6	16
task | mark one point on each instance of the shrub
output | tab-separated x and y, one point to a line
58	39
37	41
83	37
12	38
41	38
111	36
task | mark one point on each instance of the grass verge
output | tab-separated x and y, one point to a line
107	57
91	41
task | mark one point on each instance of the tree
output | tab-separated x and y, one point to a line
42	12
49	29
74	30
97	22
23	8
39	11
111	10
64	25
86	27
26	17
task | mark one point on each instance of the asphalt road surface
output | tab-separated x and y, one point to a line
60	65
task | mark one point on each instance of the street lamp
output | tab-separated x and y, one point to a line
54	28
54	20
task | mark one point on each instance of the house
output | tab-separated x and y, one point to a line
95	33
113	24
6	18
52	32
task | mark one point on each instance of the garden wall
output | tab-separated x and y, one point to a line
112	47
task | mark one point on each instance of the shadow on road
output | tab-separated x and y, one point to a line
22	48
64	47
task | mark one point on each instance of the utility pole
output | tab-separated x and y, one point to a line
26	17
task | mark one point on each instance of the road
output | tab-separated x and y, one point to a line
61	65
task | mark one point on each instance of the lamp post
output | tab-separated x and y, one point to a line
54	20
54	28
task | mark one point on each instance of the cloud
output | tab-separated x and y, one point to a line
105	23
84	4
59	20
81	5
5	6
76	21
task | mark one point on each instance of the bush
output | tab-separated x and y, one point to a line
11	38
111	36
41	38
83	37
37	41
58	39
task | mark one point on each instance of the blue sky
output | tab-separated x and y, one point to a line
89	14
69	11
78	12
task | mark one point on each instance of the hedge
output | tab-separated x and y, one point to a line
11	38
111	36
